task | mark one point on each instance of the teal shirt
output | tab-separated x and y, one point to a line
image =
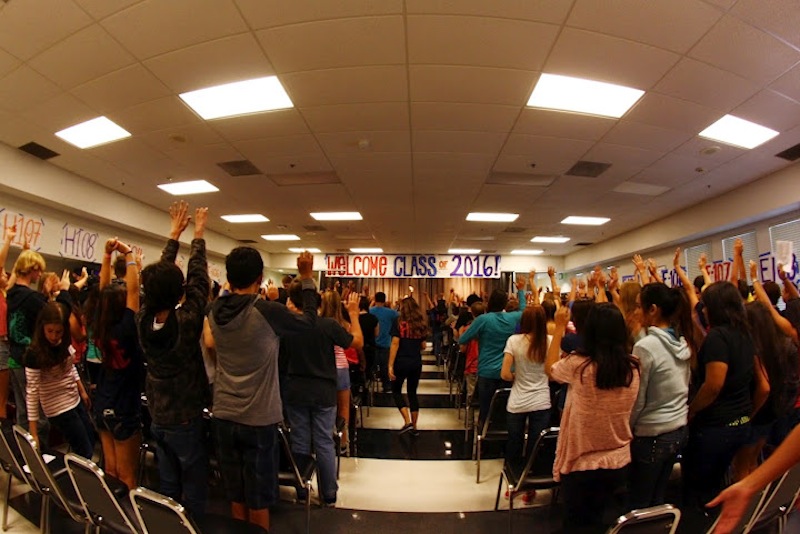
492	330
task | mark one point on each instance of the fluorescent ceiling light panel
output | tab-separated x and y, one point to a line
93	133
245	218
368	250
738	132
527	252
299	250
193	187
238	98
638	188
280	237
337	216
492	217
585	221
464	251
549	239
583	96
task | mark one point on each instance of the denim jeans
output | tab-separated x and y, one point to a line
19	383
183	463
515	422
77	430
315	424
486	389
382	361
652	460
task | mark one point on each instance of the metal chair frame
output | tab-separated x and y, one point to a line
499	400
637	518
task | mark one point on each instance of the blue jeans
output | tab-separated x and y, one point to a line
382	359
183	463
515	422
77	430
652	460
19	385
316	424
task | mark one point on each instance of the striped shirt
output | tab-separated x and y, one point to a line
341	357
56	388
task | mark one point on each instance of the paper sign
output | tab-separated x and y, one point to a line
783	254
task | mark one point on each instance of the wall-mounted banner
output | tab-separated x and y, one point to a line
413	266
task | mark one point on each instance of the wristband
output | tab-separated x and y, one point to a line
131	263
126	253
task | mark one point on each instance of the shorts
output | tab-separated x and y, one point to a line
5	351
121	427
248	462
342	379
760	432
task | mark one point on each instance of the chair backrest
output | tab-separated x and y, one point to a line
543	456
662	519
96	497
41	474
496	419
755	504
10	455
288	468
158	513
780	499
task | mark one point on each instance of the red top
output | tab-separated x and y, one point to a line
3	315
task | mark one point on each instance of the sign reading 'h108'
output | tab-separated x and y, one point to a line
413	266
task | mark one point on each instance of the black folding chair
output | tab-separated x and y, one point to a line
55	487
158	513
12	462
104	498
536	474
296	471
661	519
755	504
494	428
779	502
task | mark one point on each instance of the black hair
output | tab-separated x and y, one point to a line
605	338
244	266
773	291
497	301
41	354
675	308
295	294
699	282
549	306
724	306
380	296
363	304
215	289
580	311
472	298
163	286
120	268
110	309
744	289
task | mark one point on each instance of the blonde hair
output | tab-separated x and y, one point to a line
628	292
332	307
29	261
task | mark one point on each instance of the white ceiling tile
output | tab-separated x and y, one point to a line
615	154
154	115
545	166
348	142
135	157
563	124
453	163
636	188
279	146
673	114
297	163
25	88
706	85
551	155
358	41
258	125
348	85
505	198
674	25
770	109
173	25
7	63
100	9
16	130
780	18
27	28
357	117
469	142
391	164
553	11
230	59
201	160
488	42
462	117
697	148
271	13
60	112
192	137
740	48
476	85
636	134
121	89
724	4
671	171
789	84
586	54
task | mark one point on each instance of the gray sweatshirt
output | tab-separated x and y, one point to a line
662	404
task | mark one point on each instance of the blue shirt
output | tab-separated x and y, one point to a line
386	317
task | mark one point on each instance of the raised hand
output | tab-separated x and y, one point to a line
179	218
63	284
562	318
352	303
11	233
738	247
111	245
753	271
638	262
200	218
305	264
782	274
702	261
521	283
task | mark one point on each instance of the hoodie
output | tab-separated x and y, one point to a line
24	305
662	405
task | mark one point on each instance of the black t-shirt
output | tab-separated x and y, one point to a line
368	323
119	385
410	349
727	345
311	364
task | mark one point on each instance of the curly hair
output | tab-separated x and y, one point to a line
416	321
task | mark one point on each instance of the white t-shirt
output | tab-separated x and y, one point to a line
530	391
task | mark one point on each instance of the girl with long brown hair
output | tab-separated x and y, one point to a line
332	307
409	334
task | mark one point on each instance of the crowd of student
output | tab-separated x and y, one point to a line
708	371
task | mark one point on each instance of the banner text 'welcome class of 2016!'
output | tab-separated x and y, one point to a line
413	266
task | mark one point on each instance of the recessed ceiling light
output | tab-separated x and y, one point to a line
299	250
368	250
238	98
280	237
245	218
549	239
193	187
527	252
583	96
492	217
464	251
738	132
337	216
586	221
93	133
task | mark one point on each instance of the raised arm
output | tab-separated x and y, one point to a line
554	350
355	324
11	233
179	220
198	283
131	277
653	269
702	264
688	287
81	282
788	286
641	268
105	267
782	322
738	262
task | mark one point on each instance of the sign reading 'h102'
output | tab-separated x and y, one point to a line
413	266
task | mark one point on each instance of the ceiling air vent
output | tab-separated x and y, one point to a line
41	152
583	244
247	241
792	153
315	228
241	167
515	230
591	169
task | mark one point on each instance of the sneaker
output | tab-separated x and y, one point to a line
415	432
529	496
329	503
407	428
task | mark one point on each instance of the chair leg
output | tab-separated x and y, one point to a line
44	512
510	510
478	451
497	499
308	506
5	503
